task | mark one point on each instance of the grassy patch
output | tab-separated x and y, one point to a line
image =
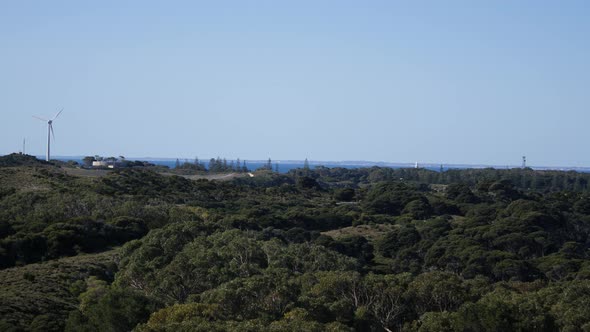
370	232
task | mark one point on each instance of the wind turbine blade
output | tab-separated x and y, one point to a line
52	133
36	117
58	113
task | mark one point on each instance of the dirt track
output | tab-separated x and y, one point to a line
218	177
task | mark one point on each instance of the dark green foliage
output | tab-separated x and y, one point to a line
144	183
353	245
313	250
306	182
418	209
523	179
345	194
390	198
194	167
17	159
66	239
114	310
39	296
461	193
218	165
399	238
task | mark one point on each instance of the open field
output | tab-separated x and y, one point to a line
371	232
218	177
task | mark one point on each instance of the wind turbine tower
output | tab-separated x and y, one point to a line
49	132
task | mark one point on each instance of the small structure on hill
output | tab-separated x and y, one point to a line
99	163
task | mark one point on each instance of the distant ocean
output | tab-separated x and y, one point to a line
286	166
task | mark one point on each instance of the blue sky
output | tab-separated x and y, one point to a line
479	82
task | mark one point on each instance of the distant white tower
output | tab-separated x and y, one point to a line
523	161
416	166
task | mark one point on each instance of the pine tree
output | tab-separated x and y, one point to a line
177	165
238	165
212	165
218	164
269	165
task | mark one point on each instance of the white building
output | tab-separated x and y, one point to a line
99	163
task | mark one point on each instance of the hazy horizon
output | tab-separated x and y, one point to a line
330	163
453	83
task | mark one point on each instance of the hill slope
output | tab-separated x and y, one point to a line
41	294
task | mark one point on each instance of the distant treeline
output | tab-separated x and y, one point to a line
215	165
526	178
220	165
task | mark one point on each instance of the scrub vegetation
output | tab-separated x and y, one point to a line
371	249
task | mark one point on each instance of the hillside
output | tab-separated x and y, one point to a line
16	159
327	249
39	297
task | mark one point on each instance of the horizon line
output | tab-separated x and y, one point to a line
357	163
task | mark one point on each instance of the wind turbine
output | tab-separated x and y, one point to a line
49	132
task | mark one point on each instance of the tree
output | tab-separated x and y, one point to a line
88	161
306	182
418	209
437	291
390	198
388	299
504	310
461	193
306	167
112	310
571	310
399	238
354	246
345	194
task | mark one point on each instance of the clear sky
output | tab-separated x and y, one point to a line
431	81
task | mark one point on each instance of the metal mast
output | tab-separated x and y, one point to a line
49	133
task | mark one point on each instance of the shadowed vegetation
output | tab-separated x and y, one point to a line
313	250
